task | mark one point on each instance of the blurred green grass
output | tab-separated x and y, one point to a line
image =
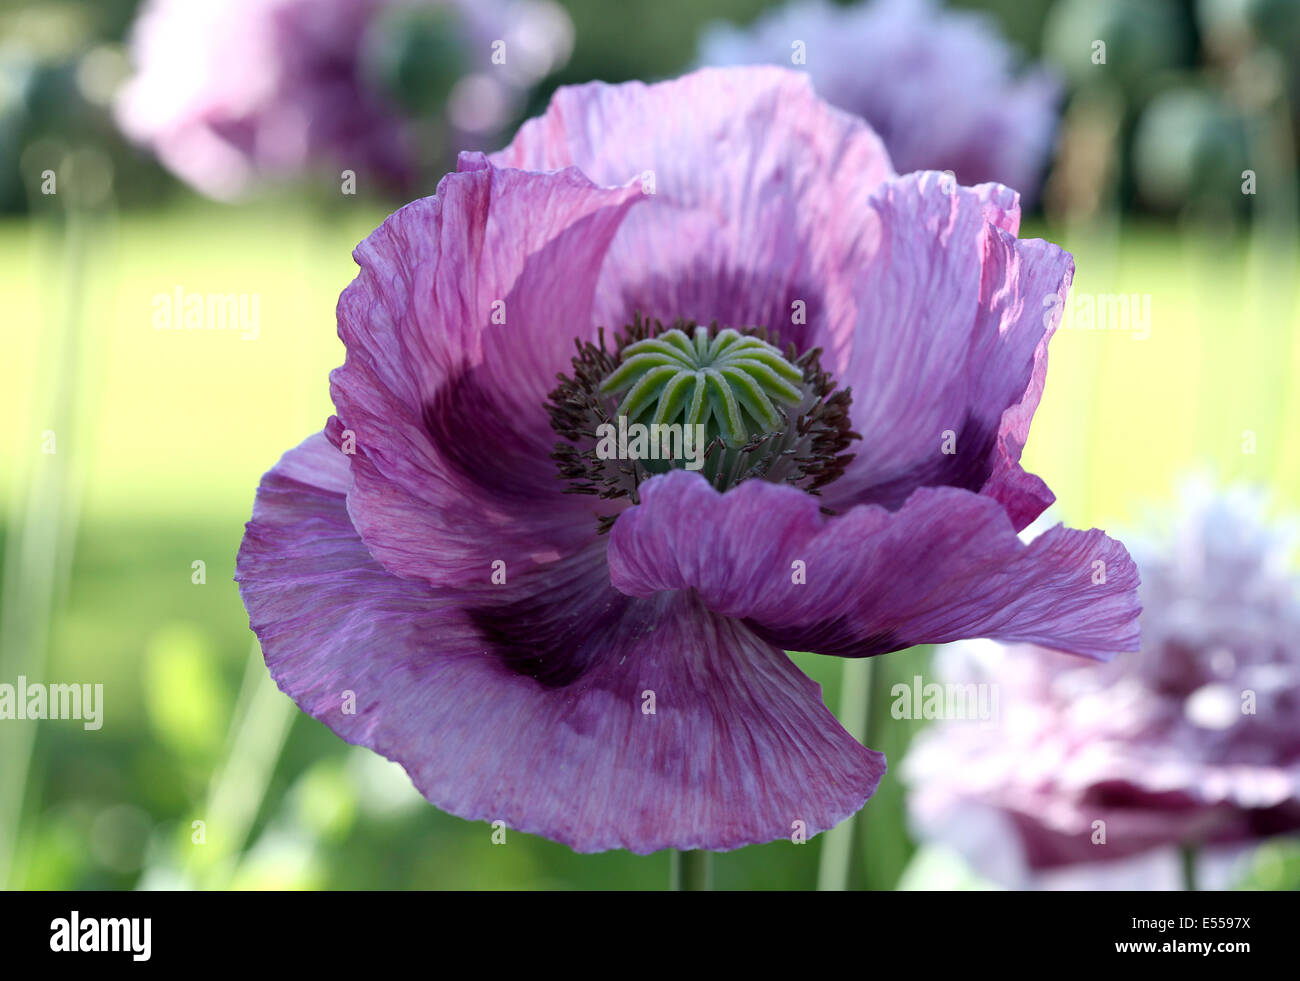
177	426
184	422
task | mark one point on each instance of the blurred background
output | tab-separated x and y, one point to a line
130	453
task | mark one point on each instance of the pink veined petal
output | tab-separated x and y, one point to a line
947	565
757	196
738	748
466	306
949	351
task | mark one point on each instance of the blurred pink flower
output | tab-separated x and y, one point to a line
1193	741
230	93
942	88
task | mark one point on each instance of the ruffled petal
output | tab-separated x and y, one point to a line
466	306
739	746
947	565
758	209
949	350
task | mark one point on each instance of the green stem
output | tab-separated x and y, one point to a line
42	525
1188	853
263	717
854	715
692	871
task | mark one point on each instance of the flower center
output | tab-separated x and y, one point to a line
734	385
722	401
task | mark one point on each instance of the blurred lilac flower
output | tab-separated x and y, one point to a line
1191	742
433	556
230	93
942	88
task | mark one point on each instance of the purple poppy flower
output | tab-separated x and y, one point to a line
1191	742
942	88
229	93
588	644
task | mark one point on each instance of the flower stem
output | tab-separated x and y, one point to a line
263	718
692	871
44	513
1188	853
856	692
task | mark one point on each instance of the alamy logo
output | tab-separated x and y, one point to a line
1129	312
235	312
948	701
36	701
102	935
